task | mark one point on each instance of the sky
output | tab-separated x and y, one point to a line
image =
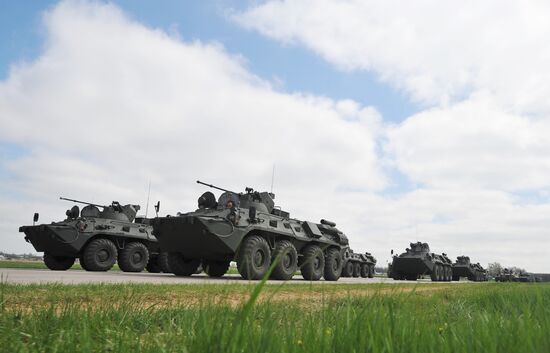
400	122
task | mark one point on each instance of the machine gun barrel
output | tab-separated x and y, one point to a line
83	202
215	187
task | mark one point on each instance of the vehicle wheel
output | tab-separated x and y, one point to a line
371	271
287	256
181	266
389	273
153	264
365	270
456	278
216	268
100	255
134	257
313	263
396	276
448	274
411	277
333	265
58	263
435	273
82	262
254	258
347	270
163	262
356	269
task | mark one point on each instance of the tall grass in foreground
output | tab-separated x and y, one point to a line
463	318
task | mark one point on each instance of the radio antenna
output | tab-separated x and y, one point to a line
148	194
272	178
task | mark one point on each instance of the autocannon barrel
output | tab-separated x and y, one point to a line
215	187
82	202
328	223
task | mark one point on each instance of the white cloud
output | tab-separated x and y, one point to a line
473	144
110	104
437	51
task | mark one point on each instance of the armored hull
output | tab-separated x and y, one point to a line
248	228
198	237
418	261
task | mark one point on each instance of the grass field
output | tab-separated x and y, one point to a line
487	317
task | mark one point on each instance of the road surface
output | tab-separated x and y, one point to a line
27	276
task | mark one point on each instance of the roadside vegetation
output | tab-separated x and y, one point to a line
482	317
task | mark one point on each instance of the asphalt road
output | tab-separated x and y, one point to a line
27	276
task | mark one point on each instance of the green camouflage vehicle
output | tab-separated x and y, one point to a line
249	228
507	275
464	268
525	277
358	265
99	238
417	261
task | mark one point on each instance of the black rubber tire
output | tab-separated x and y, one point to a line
435	273
100	255
216	268
398	276
134	257
83	263
371	271
365	269
456	278
288	262
313	263
411	277
254	258
347	269
356	269
153	265
449	273
163	262
58	263
333	265
181	266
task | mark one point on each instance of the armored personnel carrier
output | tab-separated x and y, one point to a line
507	275
464	268
358	265
99	238
249	227
525	277
417	261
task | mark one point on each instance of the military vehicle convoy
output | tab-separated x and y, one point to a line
99	238
417	261
464	268
245	227
249	227
508	275
358	265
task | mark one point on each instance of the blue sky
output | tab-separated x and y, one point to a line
297	68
